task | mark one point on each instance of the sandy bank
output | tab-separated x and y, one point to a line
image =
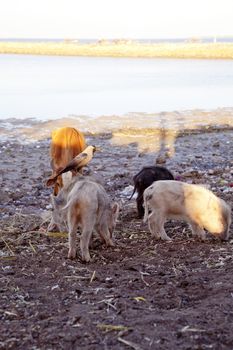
178	50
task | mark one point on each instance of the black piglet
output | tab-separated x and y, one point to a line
144	179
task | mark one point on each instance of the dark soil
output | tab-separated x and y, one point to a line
140	294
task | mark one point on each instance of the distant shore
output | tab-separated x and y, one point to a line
122	49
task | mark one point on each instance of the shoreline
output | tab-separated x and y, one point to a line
188	154
131	126
130	50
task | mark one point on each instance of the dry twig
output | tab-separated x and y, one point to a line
129	343
8	246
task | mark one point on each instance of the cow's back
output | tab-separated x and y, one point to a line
66	144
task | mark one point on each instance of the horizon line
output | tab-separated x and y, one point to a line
120	38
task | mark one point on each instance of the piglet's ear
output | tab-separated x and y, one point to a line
115	209
51	181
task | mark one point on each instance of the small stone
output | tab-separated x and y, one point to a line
4	197
168	154
127	191
222	182
160	160
227	190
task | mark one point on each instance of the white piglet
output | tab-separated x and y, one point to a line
192	203
85	205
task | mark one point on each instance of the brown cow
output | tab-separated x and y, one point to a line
66	144
73	167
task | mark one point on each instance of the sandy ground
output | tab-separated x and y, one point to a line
140	294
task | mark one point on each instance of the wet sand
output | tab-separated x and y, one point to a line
131	124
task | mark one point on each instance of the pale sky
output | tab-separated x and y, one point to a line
115	18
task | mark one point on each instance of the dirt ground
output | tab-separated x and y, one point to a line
140	294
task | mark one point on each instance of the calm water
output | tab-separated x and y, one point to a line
48	87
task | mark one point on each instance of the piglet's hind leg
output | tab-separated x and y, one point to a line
85	240
73	225
72	244
153	227
156	225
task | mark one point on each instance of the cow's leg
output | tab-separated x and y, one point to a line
198	231
57	186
